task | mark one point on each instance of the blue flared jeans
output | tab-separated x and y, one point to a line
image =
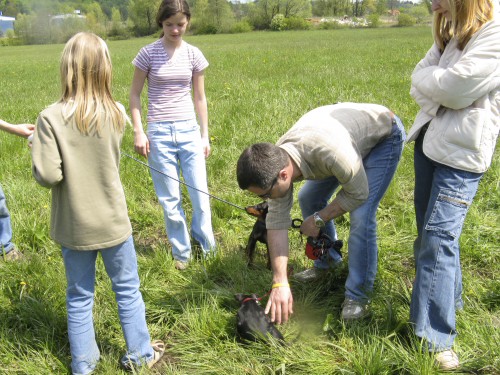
121	266
176	147
380	166
442	198
6	244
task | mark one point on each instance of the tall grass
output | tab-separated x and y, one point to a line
258	85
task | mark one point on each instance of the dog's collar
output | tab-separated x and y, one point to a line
256	299
251	299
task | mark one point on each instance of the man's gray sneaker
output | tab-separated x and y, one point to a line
13	255
310	274
353	310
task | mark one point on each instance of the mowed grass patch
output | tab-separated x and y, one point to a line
258	84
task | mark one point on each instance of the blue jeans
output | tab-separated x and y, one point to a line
380	165
176	147
442	198
6	244
121	266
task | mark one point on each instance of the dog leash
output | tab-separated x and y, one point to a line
182	182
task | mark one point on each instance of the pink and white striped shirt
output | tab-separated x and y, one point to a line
169	80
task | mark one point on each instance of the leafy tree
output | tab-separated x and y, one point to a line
296	8
373	20
220	14
392	4
41	28
242	26
240	9
278	22
381	6
142	13
265	10
11	8
405	20
48	7
356	8
332	8
428	5
109	5
22	27
118	29
200	23
420	13
63	31
96	19
368	7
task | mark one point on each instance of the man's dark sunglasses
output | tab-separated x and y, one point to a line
267	194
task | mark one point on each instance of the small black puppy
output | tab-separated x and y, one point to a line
252	324
259	232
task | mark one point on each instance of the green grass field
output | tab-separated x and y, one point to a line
258	84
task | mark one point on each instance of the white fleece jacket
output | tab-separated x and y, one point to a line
459	94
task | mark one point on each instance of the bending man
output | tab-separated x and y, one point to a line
356	147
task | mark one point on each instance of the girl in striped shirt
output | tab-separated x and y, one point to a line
177	128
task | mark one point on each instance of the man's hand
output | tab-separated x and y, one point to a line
280	304
330	212
309	228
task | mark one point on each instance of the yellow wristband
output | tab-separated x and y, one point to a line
277	285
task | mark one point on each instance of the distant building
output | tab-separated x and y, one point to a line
61	18
6	23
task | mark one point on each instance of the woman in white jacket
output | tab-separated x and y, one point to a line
457	86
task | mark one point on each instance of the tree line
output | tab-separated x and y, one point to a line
55	21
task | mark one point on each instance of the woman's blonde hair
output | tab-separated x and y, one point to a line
467	17
86	74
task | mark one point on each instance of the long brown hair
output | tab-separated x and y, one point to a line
86	74
467	17
169	8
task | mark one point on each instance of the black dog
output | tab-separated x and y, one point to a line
252	324
259	232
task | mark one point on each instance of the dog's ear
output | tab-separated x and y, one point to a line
259	210
239	297
252	210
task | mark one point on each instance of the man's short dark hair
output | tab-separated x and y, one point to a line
259	165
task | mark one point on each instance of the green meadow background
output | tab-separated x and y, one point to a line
258	84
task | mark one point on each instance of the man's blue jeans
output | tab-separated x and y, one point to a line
380	165
6	244
176	147
121	266
442	198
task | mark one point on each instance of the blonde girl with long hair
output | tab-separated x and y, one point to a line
76	153
457	86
